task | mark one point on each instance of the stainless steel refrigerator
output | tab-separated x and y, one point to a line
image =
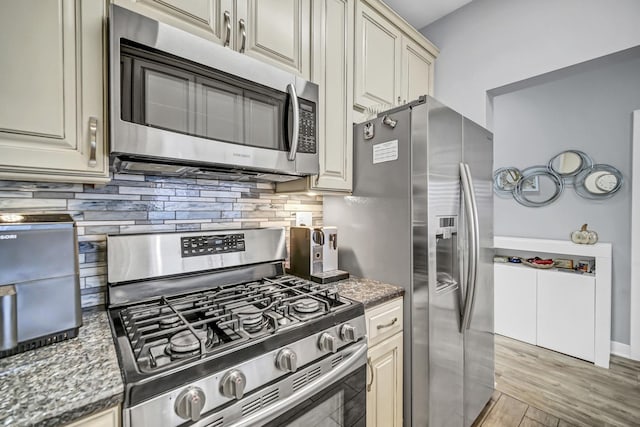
421	217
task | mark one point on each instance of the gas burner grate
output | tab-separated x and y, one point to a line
210	321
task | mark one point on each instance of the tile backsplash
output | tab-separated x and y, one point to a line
141	204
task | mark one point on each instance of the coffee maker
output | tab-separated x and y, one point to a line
314	254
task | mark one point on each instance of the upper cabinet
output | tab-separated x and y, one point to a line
393	61
275	31
333	72
52	89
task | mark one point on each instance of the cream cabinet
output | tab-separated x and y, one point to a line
211	19
333	72
393	61
274	31
107	418
52	119
384	365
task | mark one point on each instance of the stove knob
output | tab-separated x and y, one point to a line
348	333
287	361
189	404
327	342
233	384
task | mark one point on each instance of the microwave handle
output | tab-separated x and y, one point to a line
291	90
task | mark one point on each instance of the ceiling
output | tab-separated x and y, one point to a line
421	13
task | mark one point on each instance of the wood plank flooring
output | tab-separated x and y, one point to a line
537	387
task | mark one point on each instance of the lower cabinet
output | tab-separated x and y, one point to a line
107	418
515	302
384	365
549	308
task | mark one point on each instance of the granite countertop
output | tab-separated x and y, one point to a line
59	383
368	291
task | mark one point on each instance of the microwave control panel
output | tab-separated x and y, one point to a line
211	245
307	128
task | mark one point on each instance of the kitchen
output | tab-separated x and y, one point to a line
133	203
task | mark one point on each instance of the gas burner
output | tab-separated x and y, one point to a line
169	322
253	322
186	342
306	305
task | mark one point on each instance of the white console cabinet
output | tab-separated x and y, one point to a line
559	310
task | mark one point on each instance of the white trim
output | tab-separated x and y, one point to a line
635	242
620	349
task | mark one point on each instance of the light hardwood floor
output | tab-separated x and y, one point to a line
539	387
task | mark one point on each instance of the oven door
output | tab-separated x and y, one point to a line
328	392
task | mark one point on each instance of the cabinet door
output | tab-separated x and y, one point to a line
377	60
417	71
333	71
108	418
205	18
276	31
384	383
51	114
566	313
515	302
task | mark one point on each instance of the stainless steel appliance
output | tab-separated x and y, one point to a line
39	285
209	331
183	105
421	216
314	254
313	250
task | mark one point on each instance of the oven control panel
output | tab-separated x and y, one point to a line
212	244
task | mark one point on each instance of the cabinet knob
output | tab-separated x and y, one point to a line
243	33
227	23
93	141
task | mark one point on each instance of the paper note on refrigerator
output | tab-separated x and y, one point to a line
385	152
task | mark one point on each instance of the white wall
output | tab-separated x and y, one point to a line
588	110
490	43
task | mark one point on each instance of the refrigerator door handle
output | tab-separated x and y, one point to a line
471	216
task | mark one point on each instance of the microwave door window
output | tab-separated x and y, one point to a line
220	113
264	120
167	98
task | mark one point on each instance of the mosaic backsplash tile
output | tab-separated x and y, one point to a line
143	204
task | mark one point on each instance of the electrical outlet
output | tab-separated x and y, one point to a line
304	218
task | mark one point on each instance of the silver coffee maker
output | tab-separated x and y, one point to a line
314	254
39	281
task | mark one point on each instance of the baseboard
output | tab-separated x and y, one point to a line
620	349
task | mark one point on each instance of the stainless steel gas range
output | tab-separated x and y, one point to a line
210	332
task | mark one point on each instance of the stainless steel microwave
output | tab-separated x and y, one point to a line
182	105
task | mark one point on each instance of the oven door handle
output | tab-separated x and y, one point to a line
356	359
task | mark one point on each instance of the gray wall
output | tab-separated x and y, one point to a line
587	110
145	204
490	43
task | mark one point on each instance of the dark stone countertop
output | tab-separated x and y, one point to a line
60	383
368	291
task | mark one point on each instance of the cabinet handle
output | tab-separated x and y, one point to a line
399	100
93	141
393	322
370	366
243	31
227	21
